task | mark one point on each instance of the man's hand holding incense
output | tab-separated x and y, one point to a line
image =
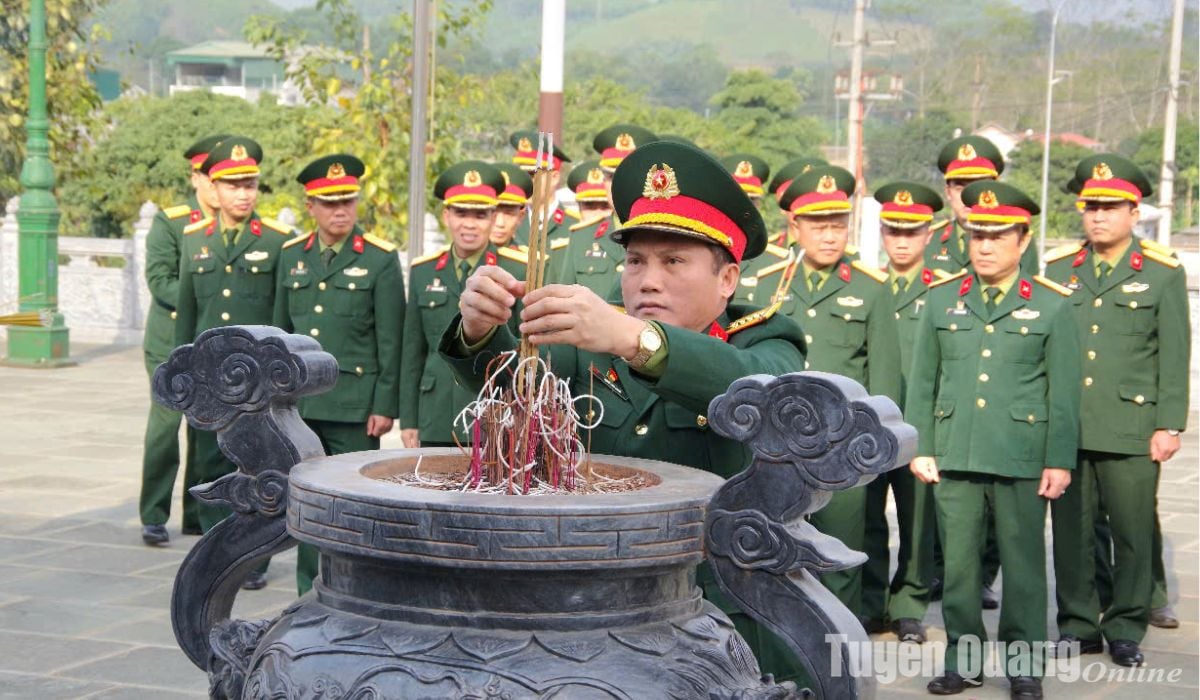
487	301
560	314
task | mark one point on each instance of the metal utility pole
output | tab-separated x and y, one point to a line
422	40
855	111
550	101
1166	186
48	344
1050	80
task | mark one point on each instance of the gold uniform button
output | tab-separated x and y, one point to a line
1098	302
318	308
229	268
315	332
846	316
989	328
981	402
226	293
953	326
174	315
591	268
254	269
1031	419
983	377
811	313
620	268
641	429
1132	304
321	286
591	415
295	285
224	315
897	315
199	269
750	296
1024	330
1095	329
1087	381
351	286
701	421
986	352
434	303
807	364
1139	399
808	339
1091	354
358	371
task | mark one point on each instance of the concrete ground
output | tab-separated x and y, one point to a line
84	605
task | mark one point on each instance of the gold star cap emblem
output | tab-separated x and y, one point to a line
1101	171
595	176
966	152
524	145
238	152
472	179
744	169
625	142
987	200
903	198
336	171
660	183
826	185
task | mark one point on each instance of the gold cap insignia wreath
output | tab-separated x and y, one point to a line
337	170
472	179
826	185
966	152
988	200
1102	172
524	145
595	176
660	183
625	142
744	169
903	198
238	152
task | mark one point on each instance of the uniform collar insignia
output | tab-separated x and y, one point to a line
718	332
926	276
1079	258
1135	261
1025	289
359	244
844	272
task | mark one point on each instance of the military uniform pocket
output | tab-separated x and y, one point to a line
852	331
351	295
955	340
255	279
204	278
1029	437
599	264
1137	408
1135	316
942	410
1024	341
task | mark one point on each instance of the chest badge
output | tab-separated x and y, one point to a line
959	309
299	269
1074	283
203	254
1134	287
852	301
356	272
435	286
610	379
1025	314
256	256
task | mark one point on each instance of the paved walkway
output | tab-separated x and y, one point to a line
84	605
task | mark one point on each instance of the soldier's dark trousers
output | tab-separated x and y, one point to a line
1125	484
160	464
1019	515
1160	598
906	594
337	438
844	517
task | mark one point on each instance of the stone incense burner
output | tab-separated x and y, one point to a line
440	594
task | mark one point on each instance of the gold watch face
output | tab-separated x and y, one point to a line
650	340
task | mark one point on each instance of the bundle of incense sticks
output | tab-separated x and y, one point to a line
26	318
524	426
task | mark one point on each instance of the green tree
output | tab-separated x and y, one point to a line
70	96
1025	172
761	115
908	150
1148	156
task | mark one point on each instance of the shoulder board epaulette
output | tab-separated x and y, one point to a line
753	319
176	212
940	225
771	269
1062	251
298	239
559	243
430	257
1149	245
198	226
1160	258
956	275
939	274
776	250
1052	285
873	272
277	226
514	255
573	213
385	246
585	223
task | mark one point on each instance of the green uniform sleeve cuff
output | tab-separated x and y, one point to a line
656	366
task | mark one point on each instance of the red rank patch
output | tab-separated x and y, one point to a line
844	272
966	285
196	216
945	237
359	244
441	263
716	331
211	228
490	258
1135	261
602	228
558	216
312	238
256	227
926	275
612	375
1026	290
1080	258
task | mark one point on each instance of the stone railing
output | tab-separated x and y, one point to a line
102	289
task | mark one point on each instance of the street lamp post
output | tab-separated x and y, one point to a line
1050	80
46	345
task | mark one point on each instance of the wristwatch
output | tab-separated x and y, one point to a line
1172	432
649	342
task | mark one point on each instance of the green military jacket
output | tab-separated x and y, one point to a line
162	274
910	309
944	254
996	392
219	287
748	291
848	323
591	257
663	419
1135	342
430	397
560	222
355	309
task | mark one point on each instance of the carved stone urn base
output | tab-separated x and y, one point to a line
435	594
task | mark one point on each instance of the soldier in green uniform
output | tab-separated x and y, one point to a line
512	208
430	399
343	287
906	210
589	256
160	449
1131	305
617	142
845	309
655	368
962	161
525	156
994	395
227	276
